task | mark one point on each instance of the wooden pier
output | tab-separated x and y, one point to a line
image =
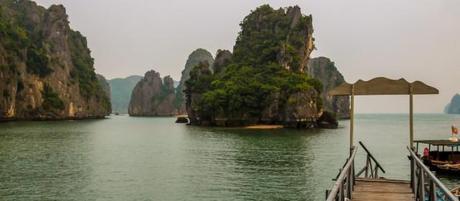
366	183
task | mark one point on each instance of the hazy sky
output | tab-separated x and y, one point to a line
414	39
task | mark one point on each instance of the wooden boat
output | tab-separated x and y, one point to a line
442	156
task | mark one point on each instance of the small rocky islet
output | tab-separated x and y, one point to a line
153	96
269	77
47	73
454	106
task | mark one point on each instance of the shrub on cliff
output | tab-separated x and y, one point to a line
37	62
83	62
195	58
17	37
245	90
273	36
51	99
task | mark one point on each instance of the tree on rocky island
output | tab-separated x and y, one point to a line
196	57
222	60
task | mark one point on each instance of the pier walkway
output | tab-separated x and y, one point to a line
382	189
366	184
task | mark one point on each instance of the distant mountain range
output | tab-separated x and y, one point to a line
121	89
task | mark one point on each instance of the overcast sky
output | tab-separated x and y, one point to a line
414	39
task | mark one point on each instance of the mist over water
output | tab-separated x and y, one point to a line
125	158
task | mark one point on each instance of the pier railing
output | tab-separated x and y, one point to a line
343	187
372	167
425	185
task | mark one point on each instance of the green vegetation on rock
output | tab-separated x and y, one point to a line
13	35
266	71
51	99
165	91
272	36
83	62
38	48
37	62
244	90
17	37
106	89
196	57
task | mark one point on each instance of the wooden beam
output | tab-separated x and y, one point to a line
411	117
383	86
352	116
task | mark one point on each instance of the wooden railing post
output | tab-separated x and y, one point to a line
343	187
349	182
411	117
432	191
352	116
422	185
341	192
371	169
423	180
412	173
354	174
376	175
367	167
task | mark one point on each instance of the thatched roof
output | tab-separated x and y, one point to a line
383	86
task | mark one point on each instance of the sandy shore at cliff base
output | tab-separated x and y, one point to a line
263	127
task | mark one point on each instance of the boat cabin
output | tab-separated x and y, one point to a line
441	155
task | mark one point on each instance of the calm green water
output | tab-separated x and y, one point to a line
125	158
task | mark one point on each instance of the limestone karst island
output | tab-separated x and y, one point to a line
229	100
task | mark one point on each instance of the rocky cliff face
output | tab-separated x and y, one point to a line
326	72
284	35
223	59
194	94
104	84
454	106
46	70
121	89
263	81
153	96
197	56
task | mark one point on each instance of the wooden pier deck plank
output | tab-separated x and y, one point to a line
381	189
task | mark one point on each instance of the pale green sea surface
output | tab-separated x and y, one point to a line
125	158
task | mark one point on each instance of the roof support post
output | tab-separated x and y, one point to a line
352	115
411	117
